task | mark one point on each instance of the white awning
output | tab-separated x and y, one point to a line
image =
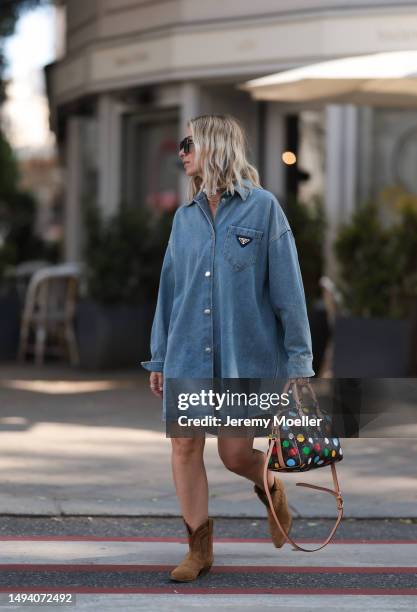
380	79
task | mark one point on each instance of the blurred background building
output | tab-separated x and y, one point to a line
98	94
132	73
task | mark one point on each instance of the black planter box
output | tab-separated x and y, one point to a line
113	336
10	314
373	348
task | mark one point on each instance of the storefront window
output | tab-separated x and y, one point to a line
151	165
387	151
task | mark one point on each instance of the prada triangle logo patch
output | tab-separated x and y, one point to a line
243	240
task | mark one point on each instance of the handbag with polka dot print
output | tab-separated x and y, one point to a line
303	448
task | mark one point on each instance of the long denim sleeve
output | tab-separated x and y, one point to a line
288	302
160	325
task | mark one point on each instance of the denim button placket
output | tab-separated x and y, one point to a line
208	274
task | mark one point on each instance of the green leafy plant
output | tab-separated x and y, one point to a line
377	257
18	239
123	253
9	174
404	252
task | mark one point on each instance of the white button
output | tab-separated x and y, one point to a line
207	311
208	349
223	200
208	273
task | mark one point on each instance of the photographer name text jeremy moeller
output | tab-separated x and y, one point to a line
280	421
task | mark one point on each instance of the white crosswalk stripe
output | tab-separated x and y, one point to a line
239	553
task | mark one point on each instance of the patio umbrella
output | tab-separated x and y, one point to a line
380	79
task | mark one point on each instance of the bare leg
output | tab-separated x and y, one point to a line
190	478
239	456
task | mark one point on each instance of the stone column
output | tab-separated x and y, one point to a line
109	153
190	106
274	146
341	173
73	181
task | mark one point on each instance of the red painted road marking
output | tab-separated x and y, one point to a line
208	591
219	569
81	538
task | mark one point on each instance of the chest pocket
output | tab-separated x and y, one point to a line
241	246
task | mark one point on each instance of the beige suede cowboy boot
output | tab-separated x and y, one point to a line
280	503
199	559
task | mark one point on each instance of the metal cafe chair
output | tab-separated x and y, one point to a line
24	272
49	311
16	278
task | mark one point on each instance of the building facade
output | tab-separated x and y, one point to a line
133	72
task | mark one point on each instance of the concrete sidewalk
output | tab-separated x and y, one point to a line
76	442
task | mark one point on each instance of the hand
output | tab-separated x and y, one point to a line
156	381
300	381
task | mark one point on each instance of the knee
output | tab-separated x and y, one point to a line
186	449
234	462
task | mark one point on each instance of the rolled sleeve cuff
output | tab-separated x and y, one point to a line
300	369
153	366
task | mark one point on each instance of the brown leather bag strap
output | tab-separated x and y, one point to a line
336	492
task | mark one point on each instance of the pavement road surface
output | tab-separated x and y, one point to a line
110	563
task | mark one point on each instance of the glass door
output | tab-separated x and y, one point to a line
151	167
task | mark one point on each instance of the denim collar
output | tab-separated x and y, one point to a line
243	189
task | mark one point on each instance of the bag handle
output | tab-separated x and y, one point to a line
335	492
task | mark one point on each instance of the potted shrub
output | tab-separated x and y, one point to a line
123	257
377	257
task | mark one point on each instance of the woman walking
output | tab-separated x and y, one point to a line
231	304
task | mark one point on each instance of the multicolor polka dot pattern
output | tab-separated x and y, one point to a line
304	449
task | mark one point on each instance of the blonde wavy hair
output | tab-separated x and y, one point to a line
220	147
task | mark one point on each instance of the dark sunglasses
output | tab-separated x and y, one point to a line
185	144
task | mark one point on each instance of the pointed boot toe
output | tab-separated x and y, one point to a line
280	504
199	558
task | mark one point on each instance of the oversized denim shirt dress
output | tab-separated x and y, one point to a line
231	302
